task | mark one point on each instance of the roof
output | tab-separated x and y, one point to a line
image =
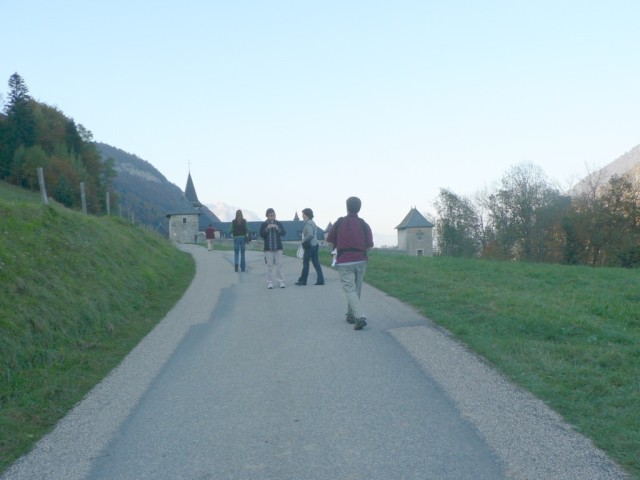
292	227
190	193
414	219
190	212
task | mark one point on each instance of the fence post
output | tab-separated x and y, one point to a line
43	189
84	197
108	204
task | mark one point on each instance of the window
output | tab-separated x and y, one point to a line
420	252
184	219
420	236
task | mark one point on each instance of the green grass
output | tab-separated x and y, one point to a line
78	293
570	335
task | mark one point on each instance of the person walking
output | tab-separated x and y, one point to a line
352	238
310	246
210	234
240	234
272	232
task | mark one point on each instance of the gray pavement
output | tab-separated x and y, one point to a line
241	382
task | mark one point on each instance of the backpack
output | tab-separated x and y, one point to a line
337	225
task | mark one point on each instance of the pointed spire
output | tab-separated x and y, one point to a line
190	193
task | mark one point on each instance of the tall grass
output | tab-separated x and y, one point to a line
570	335
78	293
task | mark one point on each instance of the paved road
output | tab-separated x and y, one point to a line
241	382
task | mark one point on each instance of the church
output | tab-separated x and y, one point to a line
415	232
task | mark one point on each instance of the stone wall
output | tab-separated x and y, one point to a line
183	228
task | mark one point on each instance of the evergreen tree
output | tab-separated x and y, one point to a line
63	192
21	125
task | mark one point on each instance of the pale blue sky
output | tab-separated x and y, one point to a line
294	104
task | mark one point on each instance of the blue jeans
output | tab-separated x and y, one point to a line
239	246
311	255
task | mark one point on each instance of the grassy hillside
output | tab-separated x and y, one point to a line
78	293
568	334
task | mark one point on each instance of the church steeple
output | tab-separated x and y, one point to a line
190	193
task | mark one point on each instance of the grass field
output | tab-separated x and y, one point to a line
570	335
79	292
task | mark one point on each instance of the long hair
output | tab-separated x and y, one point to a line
239	216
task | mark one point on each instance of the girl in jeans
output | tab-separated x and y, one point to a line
311	246
240	235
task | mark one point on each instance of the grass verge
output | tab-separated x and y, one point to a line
78	293
570	335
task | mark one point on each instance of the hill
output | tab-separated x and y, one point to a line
145	194
78	293
629	162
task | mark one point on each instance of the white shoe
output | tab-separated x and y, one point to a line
282	285
270	286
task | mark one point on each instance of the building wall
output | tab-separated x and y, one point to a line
183	228
416	241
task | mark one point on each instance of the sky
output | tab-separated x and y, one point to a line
295	104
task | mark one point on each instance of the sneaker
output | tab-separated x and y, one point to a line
282	285
360	324
351	319
270	286
300	284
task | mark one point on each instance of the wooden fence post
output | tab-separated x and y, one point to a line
84	197
43	189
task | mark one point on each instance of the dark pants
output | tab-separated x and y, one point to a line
311	254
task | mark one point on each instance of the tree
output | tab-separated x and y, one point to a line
26	161
517	212
458	225
20	121
63	192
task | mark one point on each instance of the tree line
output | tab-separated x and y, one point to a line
526	218
33	135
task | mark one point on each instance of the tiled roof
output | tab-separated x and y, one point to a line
414	219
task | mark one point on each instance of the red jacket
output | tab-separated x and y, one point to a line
352	237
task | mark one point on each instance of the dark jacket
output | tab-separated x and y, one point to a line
239	229
272	236
352	237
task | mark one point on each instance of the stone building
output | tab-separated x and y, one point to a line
183	226
415	234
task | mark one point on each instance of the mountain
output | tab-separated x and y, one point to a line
226	213
629	162
145	194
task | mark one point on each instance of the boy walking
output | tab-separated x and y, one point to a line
351	236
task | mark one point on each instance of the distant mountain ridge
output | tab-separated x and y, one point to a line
145	194
226	213
628	162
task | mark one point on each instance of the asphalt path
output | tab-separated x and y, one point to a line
242	382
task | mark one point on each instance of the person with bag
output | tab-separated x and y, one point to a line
240	234
311	246
352	238
272	232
